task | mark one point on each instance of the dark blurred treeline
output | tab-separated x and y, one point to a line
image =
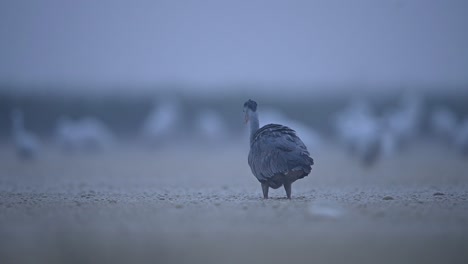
125	113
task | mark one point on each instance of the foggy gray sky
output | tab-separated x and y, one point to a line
228	42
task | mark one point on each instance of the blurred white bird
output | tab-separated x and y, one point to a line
26	143
163	122
355	123
405	120
359	130
210	126
443	123
389	143
88	134
461	138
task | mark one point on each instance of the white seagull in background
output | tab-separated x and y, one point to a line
88	134
404	121
210	126
360	131
443	123
26	143
163	122
461	138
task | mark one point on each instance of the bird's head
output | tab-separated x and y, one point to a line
249	107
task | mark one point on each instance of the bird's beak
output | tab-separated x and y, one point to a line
246	118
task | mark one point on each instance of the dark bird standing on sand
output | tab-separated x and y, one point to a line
277	155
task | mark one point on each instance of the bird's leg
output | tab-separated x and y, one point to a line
287	188
265	190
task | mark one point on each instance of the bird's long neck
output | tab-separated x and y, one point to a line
254	124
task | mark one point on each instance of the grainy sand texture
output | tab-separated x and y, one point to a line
200	204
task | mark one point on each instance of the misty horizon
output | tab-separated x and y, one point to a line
264	44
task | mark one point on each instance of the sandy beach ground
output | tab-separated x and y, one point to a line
201	204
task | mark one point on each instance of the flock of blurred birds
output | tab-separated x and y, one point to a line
364	134
370	137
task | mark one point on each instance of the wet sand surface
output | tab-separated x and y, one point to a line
202	205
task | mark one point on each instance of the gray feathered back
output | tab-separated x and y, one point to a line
276	149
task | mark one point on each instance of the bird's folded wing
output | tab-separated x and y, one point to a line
272	155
